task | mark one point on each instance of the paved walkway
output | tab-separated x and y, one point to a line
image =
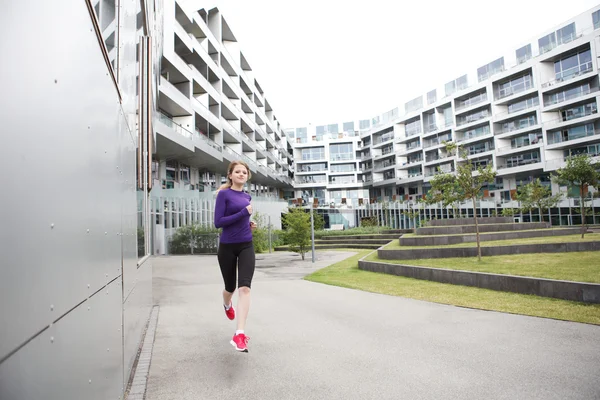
313	341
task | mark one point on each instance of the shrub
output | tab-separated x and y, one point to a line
260	235
194	239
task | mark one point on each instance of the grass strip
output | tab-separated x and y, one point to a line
573	266
346	274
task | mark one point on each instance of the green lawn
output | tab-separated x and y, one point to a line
346	274
590	237
574	266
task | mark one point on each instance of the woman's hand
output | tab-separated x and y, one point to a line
249	208
252	225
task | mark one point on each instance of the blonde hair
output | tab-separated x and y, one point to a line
230	169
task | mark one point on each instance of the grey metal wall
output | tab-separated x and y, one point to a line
73	299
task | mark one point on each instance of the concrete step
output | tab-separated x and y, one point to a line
485	237
379	241
469	221
461	229
336	246
363	237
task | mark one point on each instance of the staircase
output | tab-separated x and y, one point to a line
373	241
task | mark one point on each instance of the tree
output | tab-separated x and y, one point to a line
579	172
445	190
535	195
470	181
318	221
297	233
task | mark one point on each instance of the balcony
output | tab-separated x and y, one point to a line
473	118
472	101
504	150
474	135
569	74
579	134
193	136
512	90
341	157
383	138
559	101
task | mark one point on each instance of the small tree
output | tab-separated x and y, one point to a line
297	233
470	184
189	238
579	172
445	190
535	195
318	221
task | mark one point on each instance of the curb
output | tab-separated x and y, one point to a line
137	389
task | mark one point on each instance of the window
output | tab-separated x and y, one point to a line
364	124
566	34
523	54
572	66
455	85
579	111
515	85
429	122
490	69
596	19
342	151
343	168
317	167
313	153
523	104
518	124
349	127
413	128
333	128
414	104
547	43
568	94
431	97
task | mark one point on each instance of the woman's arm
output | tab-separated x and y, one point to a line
220	219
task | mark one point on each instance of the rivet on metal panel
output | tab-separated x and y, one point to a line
56	81
51	339
107	350
89	308
88	285
106	233
88	231
51	226
90	381
51	307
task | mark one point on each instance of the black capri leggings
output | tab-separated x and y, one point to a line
240	255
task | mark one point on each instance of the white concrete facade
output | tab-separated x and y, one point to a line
524	113
212	109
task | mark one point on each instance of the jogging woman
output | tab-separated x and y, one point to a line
236	251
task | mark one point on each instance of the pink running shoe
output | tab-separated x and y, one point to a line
230	313
240	342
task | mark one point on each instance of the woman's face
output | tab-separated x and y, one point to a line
239	175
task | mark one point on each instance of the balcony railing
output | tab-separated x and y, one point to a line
575	95
187	133
472	101
521	125
473	135
509	91
411	131
472	118
383	138
570	73
508	149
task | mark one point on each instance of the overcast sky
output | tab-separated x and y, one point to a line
333	61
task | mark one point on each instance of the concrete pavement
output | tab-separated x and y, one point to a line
313	341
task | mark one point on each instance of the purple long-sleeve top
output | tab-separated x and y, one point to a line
232	215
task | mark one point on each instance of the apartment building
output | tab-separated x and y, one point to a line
213	109
523	113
